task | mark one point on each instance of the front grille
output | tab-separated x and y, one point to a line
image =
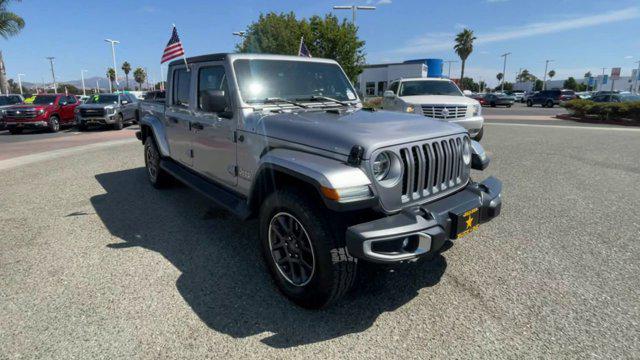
21	114
91	112
444	111
433	168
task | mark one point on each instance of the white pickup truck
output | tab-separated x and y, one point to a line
435	98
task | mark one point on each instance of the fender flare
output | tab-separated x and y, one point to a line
157	131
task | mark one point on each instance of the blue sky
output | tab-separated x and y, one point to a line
579	35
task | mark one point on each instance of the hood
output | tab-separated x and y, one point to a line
339	132
439	100
96	106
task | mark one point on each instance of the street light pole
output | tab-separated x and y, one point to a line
504	69
20	82
353	9
449	62
53	74
546	66
637	78
602	82
113	54
84	93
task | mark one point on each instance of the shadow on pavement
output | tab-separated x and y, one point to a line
223	278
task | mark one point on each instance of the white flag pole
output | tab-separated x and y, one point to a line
300	46
184	56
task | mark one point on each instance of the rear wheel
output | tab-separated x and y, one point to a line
550	103
157	176
305	253
529	103
493	104
54	124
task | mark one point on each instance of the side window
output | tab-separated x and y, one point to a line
181	85
394	87
210	79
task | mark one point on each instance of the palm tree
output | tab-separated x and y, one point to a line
126	67
464	47
499	76
10	25
139	75
111	75
551	74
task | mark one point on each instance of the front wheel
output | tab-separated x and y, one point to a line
15	131
119	124
493	104
479	135
304	251
157	176
550	103
529	103
54	124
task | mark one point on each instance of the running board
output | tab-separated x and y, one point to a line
219	195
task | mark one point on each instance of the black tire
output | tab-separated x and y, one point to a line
82	127
529	103
493	104
550	103
54	124
332	271
479	135
508	106
119	124
15	131
157	176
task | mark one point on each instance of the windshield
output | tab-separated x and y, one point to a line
291	80
426	87
44	100
102	99
5	101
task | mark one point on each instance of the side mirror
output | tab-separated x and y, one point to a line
389	94
124	102
479	159
213	101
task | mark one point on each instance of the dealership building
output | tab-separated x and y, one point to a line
599	83
375	78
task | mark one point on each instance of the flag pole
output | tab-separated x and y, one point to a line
300	46
184	56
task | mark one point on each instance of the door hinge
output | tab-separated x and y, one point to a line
235	136
191	153
233	170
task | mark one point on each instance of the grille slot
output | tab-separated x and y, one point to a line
444	111
432	168
91	112
21	113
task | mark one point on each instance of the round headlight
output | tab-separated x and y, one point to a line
381	166
466	151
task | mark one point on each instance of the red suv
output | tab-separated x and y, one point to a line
48	111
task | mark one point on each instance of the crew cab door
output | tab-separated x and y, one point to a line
178	115
214	145
67	105
128	106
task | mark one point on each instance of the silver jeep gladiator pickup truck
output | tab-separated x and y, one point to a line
285	139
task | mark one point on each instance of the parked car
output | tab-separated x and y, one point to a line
285	139
113	110
518	95
435	98
528	95
5	102
50	111
615	97
479	98
566	95
584	95
546	98
494	100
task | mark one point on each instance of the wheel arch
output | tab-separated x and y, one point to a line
151	126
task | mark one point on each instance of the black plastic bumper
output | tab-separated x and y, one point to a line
424	229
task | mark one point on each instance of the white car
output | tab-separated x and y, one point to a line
435	98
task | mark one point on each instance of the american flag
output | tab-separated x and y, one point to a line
303	51
174	47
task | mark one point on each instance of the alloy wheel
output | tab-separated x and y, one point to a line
152	162
291	249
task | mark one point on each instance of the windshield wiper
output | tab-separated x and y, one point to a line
272	100
326	98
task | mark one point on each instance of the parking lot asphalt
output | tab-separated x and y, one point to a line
95	263
519	110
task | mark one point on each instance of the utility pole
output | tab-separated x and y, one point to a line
84	93
113	54
354	9
53	74
635	81
449	62
504	68
546	67
20	82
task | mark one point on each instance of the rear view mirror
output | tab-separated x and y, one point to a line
213	101
389	94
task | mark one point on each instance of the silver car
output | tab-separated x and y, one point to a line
113	110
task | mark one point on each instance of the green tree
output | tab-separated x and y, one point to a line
469	84
10	25
464	47
588	74
482	85
111	75
526	76
126	67
325	37
499	76
140	76
570	83
537	86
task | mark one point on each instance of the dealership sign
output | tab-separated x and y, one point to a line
615	73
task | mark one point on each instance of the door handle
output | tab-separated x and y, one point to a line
197	126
